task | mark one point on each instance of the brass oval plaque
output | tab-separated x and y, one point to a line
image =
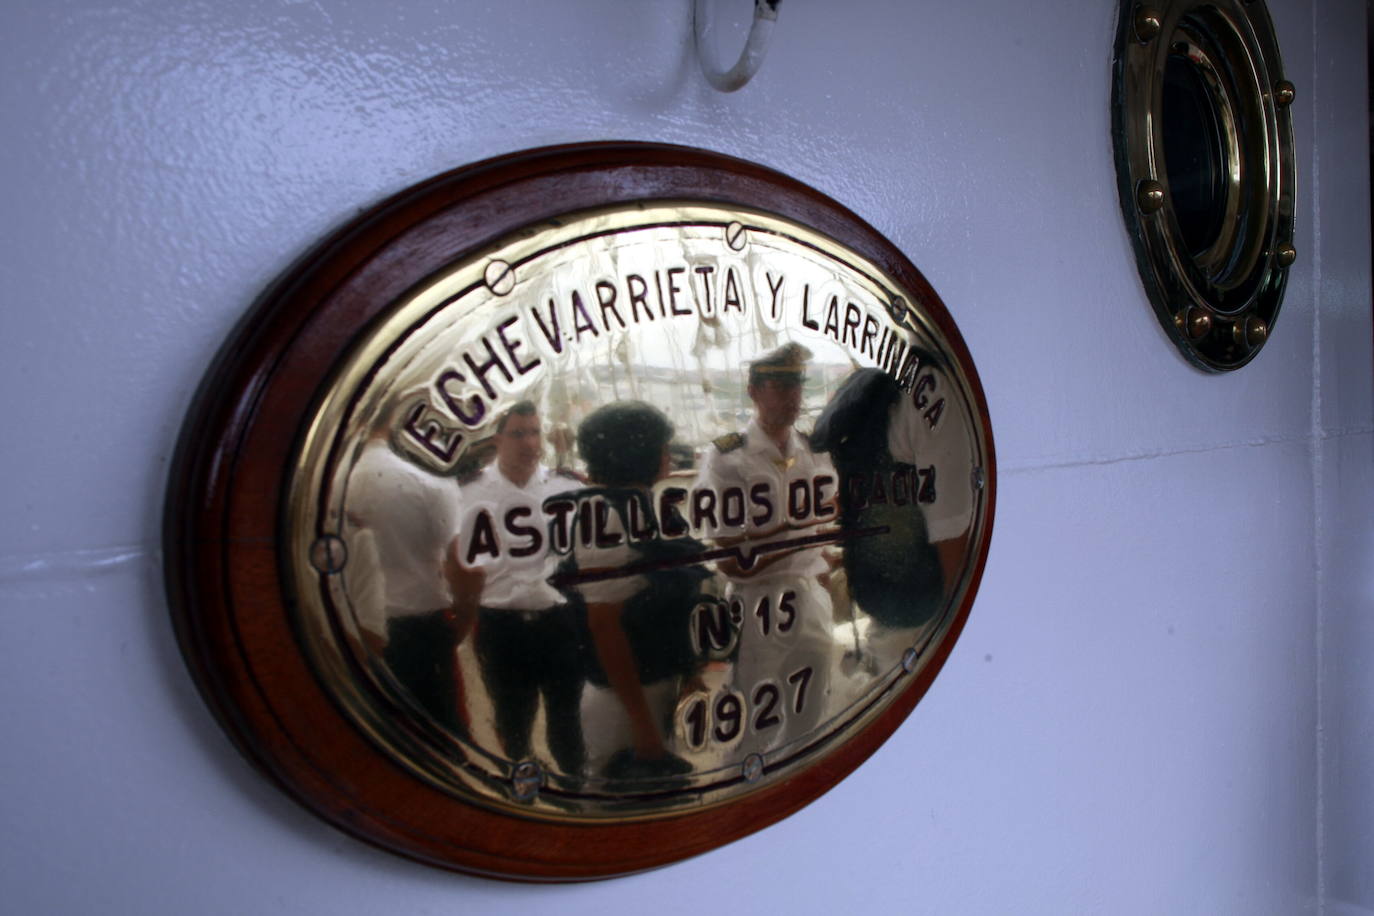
665	508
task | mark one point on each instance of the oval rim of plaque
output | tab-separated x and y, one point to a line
223	539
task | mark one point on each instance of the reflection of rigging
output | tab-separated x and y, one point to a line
746	557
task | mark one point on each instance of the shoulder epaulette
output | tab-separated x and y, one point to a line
728	442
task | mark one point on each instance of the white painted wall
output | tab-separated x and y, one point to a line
1343	453
1161	703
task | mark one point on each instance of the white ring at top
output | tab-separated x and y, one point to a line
765	15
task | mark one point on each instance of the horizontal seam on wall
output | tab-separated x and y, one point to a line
1147	456
1346	432
59	563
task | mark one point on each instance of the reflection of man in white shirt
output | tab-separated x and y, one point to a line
399	522
788	492
527	639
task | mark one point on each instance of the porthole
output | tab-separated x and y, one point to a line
1205	168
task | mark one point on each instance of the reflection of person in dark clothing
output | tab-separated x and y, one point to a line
400	520
527	637
896	578
639	622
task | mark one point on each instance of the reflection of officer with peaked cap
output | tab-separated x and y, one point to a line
775	387
774	576
786	364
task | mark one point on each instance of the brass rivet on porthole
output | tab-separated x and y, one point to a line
1147	24
1284	93
1149	196
1194	321
1287	254
752	770
499	277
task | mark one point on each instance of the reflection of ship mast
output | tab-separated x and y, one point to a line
622	354
609	362
557	409
697	371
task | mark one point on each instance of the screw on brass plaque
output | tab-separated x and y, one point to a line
909	659
499	277
735	236
328	554
526	780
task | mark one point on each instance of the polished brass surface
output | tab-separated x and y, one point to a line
1206	168
1287	255
635	512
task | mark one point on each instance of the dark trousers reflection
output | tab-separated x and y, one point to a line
897	579
421	651
525	655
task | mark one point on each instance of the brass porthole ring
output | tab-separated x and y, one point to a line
1203	137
